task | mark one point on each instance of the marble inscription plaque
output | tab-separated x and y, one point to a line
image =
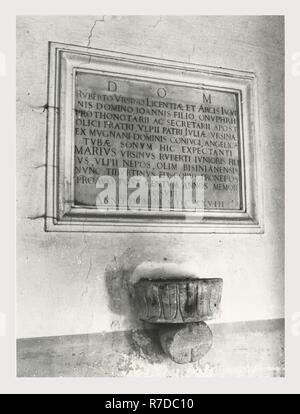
156	129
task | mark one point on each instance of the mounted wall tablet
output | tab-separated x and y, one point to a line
120	123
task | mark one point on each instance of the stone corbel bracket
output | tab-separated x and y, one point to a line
179	306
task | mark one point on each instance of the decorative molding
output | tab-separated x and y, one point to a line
62	215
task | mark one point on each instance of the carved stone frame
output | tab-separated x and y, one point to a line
62	215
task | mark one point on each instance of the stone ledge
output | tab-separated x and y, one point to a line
241	349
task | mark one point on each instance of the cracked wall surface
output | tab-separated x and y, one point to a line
76	283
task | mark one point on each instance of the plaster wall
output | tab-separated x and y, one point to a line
74	283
